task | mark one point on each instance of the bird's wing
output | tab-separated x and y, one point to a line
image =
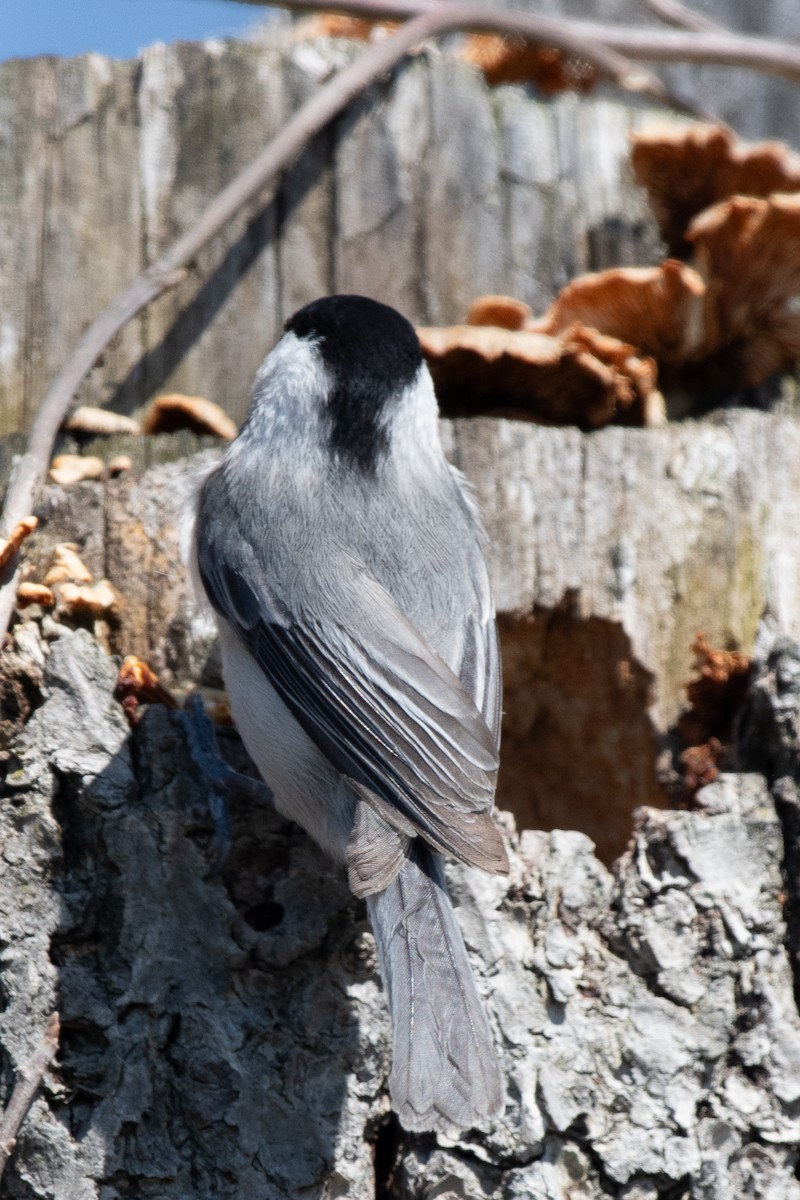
475	653
480	669
382	706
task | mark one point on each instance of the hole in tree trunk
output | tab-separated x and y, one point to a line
579	748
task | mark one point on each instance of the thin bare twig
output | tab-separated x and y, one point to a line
716	48
26	1087
671	12
29	469
543	31
721	49
604	46
171	267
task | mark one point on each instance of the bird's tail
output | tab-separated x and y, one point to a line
444	1071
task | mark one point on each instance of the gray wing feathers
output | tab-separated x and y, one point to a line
375	852
492	707
416	738
381	705
481	672
445	1072
419	747
480	668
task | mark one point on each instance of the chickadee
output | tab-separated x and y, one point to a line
342	556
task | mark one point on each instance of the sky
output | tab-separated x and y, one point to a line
118	28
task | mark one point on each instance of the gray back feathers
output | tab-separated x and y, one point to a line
343	557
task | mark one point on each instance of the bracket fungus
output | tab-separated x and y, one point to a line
176	411
67	469
509	59
687	168
10	545
659	309
578	377
100	422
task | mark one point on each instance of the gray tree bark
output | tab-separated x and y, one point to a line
609	552
227	1036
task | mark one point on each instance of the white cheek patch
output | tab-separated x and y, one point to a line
292	377
287	407
413	424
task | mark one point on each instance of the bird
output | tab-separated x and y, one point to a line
343	558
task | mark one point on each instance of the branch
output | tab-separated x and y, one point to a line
721	49
713	48
599	44
674	13
29	469
26	1087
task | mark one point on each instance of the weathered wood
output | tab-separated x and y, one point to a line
70	219
413	199
609	553
664	532
226	1036
738	72
756	106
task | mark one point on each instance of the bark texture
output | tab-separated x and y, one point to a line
647	1018
429	191
608	553
227	1036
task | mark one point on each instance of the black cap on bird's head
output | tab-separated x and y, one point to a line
361	337
372	355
